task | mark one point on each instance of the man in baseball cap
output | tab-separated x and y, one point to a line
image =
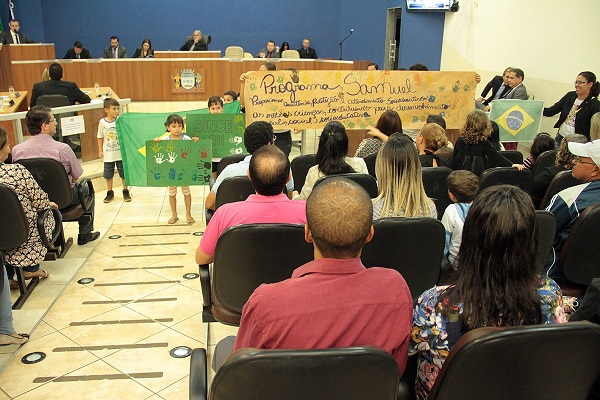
568	204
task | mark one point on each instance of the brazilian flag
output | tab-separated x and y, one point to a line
134	129
518	120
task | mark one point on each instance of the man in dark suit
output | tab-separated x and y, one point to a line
306	51
195	44
115	50
498	85
13	36
77	52
57	86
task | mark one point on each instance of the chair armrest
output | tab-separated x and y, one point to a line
205	284
80	193
42	215
198	381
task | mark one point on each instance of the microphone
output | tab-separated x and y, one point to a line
343	40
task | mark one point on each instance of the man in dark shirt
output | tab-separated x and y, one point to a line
195	44
306	51
77	52
57	86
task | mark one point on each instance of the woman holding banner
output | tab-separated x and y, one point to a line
576	108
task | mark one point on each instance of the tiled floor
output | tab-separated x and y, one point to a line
112	337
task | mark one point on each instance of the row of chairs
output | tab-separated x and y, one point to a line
53	179
486	363
238	52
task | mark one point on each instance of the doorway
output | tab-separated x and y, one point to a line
392	38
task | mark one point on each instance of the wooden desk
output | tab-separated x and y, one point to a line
13	128
20	52
187	54
149	79
92	113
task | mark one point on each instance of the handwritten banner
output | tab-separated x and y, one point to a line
311	99
226	131
178	162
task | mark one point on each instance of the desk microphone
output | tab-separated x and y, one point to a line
342	42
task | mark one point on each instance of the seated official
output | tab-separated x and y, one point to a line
497	282
333	301
256	135
195	44
42	126
57	86
115	50
269	171
568	204
145	50
77	52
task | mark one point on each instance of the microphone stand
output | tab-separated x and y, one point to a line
341	43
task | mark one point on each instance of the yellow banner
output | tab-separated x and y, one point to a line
311	99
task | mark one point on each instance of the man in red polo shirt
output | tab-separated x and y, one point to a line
333	301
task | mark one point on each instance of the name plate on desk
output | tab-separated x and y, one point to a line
72	125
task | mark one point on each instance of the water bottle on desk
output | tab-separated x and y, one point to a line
97	87
11	91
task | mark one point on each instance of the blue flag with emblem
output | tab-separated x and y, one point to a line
518	120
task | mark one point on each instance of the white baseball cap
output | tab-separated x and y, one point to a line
589	149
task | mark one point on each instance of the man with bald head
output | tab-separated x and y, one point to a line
269	171
333	301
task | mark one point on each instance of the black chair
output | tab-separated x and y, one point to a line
579	255
230	159
412	246
247	256
544	160
52	177
506	176
514	156
551	362
59	100
436	187
232	189
323	374
547	232
300	166
560	182
370	161
15	232
205	38
365	180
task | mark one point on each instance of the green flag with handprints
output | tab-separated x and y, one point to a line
135	129
178	162
226	131
518	120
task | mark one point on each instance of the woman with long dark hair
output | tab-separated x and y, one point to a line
496	284
576	107
145	50
332	158
389	122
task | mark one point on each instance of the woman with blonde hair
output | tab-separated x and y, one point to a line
400	181
473	147
430	140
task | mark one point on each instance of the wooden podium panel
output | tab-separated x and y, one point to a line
150	79
188	54
20	52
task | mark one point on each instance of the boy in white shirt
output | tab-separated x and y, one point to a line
110	150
